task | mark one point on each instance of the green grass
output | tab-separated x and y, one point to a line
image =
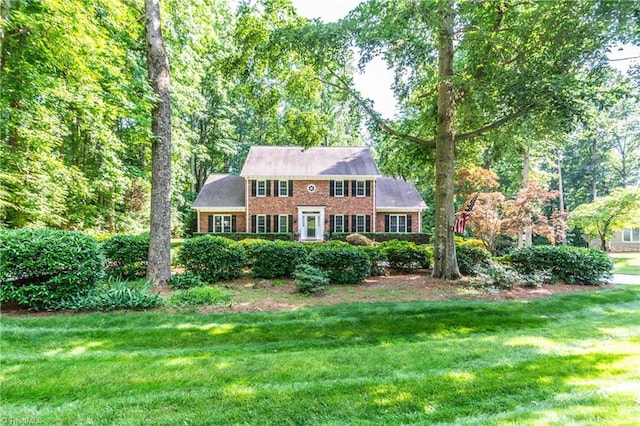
626	263
570	359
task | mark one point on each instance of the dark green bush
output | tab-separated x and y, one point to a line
470	257
185	281
414	237
502	276
344	265
269	236
212	258
405	255
39	267
126	256
201	296
112	296
276	259
376	260
573	265
310	279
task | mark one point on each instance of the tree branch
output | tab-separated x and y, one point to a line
492	126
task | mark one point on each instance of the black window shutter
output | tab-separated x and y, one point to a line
210	227
345	186
332	218
354	185
268	223
368	188
345	224
368	223
253	188
386	223
290	188
253	223
276	188
268	185
353	223
332	188
234	223
290	223
408	223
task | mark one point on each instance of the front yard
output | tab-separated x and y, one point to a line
566	359
626	263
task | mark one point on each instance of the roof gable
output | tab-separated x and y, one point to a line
395	194
294	161
221	190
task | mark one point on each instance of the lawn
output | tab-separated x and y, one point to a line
571	358
626	263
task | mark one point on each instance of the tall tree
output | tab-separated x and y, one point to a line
159	269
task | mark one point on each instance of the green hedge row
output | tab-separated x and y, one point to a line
269	236
417	238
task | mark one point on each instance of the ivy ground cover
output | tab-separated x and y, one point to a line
568	359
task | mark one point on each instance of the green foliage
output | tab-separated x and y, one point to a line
269	236
212	258
574	265
276	259
502	276
206	295
470	257
112	296
310	279
405	256
359	240
379	237
126	256
344	265
39	267
185	281
377	259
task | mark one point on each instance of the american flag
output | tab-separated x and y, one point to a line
461	218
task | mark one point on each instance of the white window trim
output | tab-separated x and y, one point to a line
358	188
264	223
364	223
335	188
264	193
335	223
286	221
283	191
397	226
222	217
631	240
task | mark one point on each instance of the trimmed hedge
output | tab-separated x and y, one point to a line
126	256
405	255
237	236
276	259
344	265
40	267
573	265
212	258
413	237
470	257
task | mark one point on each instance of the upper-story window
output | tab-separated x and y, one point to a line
360	188
261	188
283	188
338	188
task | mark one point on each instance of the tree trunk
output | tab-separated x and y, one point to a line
526	239
561	196
446	263
594	174
159	269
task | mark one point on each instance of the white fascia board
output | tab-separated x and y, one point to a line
219	209
314	177
398	209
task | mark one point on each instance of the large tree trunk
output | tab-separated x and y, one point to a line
446	263
158	67
525	239
4	16
561	196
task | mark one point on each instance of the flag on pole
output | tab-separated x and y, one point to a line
461	218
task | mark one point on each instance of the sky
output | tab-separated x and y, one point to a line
376	81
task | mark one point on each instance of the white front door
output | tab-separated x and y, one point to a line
312	224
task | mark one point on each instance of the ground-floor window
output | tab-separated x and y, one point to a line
221	223
283	222
631	235
397	223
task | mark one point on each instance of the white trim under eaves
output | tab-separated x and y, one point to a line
398	209
219	209
314	177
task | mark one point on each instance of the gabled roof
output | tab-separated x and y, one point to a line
294	161
221	191
397	194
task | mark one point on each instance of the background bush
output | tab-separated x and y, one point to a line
359	240
111	296
201	296
185	281
310	279
269	236
39	267
405	255
276	259
379	237
212	258
470	257
344	265
573	265
126	256
376	260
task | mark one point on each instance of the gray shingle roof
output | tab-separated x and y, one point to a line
392	193
293	161
221	191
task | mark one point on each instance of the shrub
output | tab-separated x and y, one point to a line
276	259
269	236
405	256
112	296
376	260
213	258
184	281
359	240
248	244
498	275
344	265
310	279
39	267
201	296
414	237
573	265
470	257
126	256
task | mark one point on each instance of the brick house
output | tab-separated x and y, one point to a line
309	192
